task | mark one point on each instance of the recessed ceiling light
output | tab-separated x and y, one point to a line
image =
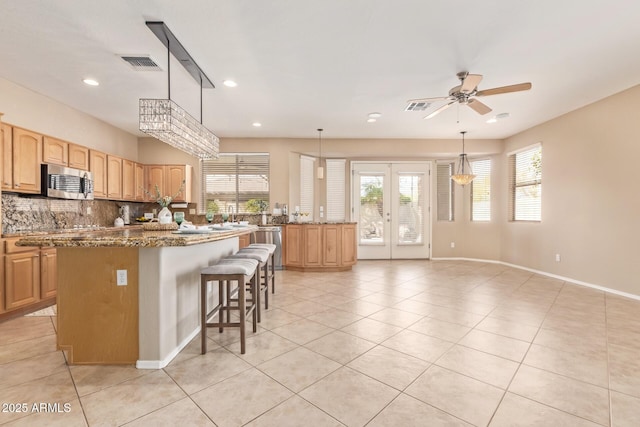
492	120
229	83
91	82
256	124
371	120
375	115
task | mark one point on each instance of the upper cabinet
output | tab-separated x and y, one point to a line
55	151
128	180
7	156
139	182
177	177
27	156
114	177
98	166
78	157
155	178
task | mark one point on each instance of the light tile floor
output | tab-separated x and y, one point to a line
391	343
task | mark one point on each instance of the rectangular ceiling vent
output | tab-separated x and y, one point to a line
417	106
141	62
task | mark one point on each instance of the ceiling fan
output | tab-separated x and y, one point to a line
465	93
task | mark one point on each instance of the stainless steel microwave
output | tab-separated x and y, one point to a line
66	183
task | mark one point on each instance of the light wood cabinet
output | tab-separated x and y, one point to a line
7	156
55	151
169	179
244	241
48	273
22	279
319	247
78	157
128	180
27	156
98	167
139	182
114	177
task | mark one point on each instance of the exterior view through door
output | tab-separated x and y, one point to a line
390	203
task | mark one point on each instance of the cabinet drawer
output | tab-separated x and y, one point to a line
10	246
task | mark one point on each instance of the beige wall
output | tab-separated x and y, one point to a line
590	201
30	110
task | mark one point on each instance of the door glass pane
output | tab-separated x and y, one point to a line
410	215
371	219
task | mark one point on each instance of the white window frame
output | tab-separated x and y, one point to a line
307	183
480	215
336	189
445	192
513	185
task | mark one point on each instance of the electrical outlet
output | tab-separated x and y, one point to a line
121	277
192	211
557	257
453	245
88	210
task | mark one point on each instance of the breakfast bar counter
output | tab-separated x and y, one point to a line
130	296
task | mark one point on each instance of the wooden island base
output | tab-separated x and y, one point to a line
314	247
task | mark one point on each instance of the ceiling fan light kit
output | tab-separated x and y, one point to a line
464	174
167	121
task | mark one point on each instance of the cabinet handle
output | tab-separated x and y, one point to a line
16	185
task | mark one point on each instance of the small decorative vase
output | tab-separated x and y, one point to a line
264	218
164	216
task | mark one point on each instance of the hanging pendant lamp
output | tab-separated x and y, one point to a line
464	175
320	168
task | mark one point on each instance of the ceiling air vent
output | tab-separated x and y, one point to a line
141	62
417	106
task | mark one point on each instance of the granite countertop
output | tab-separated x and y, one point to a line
128	237
321	223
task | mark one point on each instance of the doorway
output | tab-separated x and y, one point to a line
391	204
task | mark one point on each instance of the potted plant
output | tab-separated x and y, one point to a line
258	206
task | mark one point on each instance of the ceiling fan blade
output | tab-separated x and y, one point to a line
478	106
437	98
444	107
504	89
470	83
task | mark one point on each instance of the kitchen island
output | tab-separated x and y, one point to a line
131	296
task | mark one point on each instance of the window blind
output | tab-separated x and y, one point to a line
336	189
445	191
306	185
481	190
234	179
525	184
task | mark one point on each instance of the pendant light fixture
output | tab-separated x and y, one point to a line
320	168
167	121
464	175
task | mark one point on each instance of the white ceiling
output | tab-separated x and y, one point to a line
306	64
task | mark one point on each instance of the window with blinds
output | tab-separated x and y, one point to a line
336	189
234	179
481	190
306	186
525	184
445	191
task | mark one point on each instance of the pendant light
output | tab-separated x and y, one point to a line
320	168
464	175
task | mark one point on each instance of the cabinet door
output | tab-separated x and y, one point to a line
48	273
331	248
293	245
7	156
312	245
175	176
139	185
98	166
128	180
349	244
27	156
155	177
114	177
55	151
78	157
22	279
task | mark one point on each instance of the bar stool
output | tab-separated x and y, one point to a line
272	250
262	256
242	271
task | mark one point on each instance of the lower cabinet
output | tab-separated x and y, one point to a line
29	278
244	241
22	279
319	247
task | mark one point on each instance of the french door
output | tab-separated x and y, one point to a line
390	203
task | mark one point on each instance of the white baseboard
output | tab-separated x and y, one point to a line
159	364
544	273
